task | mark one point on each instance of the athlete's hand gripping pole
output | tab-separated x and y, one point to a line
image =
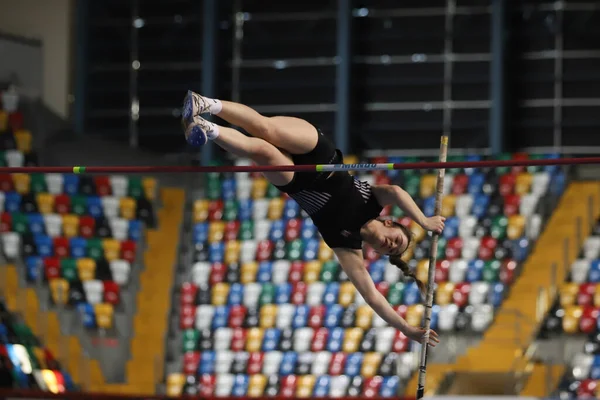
431	271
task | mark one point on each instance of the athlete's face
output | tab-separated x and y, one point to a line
390	240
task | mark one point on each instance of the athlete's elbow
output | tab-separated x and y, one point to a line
373	299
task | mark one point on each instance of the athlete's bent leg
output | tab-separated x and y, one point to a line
294	135
235	142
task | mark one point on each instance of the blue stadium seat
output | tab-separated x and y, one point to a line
44	245
354	364
520	249
475	271
36	223
86	311
594	272
330	296
288	363
135	229
245	209
236	294
551	168
220	317
311	249
377	270
321	388
309	230
435	311
94	206
71	184
595	369
429	206
291	209
69	384
389	387
34	265
476	181
200	233
451	227
78	247
207	363
472	158
480	205
335	340
228	189
271	339
265	272
333	316
17	372
300	316
412	295
496	294
12	202
3	333
558	183
216	252
283	293
240	385
277	230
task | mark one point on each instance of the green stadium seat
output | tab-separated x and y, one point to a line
78	205
267	295
190	340
95	249
498	228
503	157
272	192
491	271
441	247
135	188
68	269
329	271
294	250
38	183
532	169
230	210
246	230
396	293
19	223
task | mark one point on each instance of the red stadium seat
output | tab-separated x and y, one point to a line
103	187
264	250
587	323
585	297
487	247
511	204
232	229
319	339
442	270
215	210
190	362
237	313
15	121
188	293
60	381
62	204
337	363
402	310
400	343
519	156
587	389
454	248
288	386
52	268
507	271
460	184
461	294
238	339
187	316
207	385
255	363
61	247
87	226
111	293
128	250
299	293
507	184
292	229
296	272
6	183
316	316
5	222
372	386
383	288
217	273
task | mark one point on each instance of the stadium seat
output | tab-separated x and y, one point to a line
104	315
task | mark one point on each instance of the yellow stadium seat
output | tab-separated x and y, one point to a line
597	296
523	183
571	319
418	231
104	315
443	295
312	269
256	385
59	289
568	294
23	139
22	183
232	252
70	225
248	272
414	314
149	185
346	295
219	294
216	230
305	386
254	339
352	340
370	365
428	184
422	269
45	202
268	314
50	379
200	211
275	210
175	384
86	269
259	188
516	226
128	207
3	121
364	317
325	252
448	205
112	249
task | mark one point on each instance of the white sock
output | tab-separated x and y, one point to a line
215	105
213	132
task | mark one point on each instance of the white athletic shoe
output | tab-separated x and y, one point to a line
194	105
195	132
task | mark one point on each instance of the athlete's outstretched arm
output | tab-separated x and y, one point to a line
395	195
352	263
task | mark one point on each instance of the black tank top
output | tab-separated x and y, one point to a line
339	206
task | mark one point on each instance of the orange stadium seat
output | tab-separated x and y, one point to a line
364	317
346	294
448	205
200	211
568	294
70	225
312	269
219	294
254	339
59	289
22	183
216	231
516	227
443	295
256	385
104	315
259	188
232	252
112	249
370	365
128	208
45	202
268	314
24	141
428	185
523	183
150	186
571	318
175	384
422	270
325	253
86	269
275	211
305	386
352	340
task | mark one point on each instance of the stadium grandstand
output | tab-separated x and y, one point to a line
134	264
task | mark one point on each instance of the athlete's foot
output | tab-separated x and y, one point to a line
199	131
195	105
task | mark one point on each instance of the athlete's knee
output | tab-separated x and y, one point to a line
261	151
265	129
